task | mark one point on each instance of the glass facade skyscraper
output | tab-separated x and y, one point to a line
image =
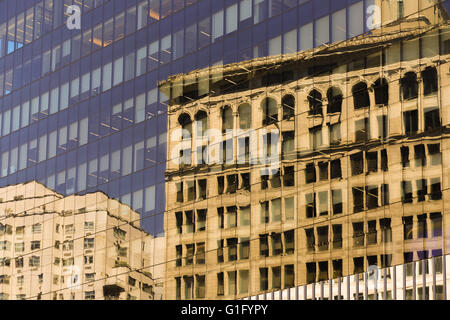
80	109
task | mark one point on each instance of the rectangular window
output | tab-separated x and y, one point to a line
217	25
232	289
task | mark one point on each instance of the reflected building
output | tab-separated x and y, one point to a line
75	247
356	135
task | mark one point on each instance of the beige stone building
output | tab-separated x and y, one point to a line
75	247
359	131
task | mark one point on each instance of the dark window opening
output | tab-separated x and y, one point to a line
381	88
310	173
289	241
323	271
356	161
372	161
421	189
358	265
430	80
202	189
289	178
337	269
334	96
336	171
405	156
232	181
323	171
232	249
264	245
179	221
362	130
407	196
422	231
337	201
315	103
410	119
322	235
264	279
360	95
407	228
358	234
358	199
372	197
220	247
277	245
311	272
384	160
337	236
288	103
436	224
270	109
310	205
289	276
386	230
432	120
384	194
264	181
245	178
410	86
310	239
372	232
220	213
220	185
435	192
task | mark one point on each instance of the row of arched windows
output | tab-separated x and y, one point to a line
409	90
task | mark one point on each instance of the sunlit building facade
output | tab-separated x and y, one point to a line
355	132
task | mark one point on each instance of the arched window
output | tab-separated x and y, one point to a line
288	103
245	116
360	95
430	80
410	86
381	88
315	102
201	123
186	124
227	119
270	110
334	96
